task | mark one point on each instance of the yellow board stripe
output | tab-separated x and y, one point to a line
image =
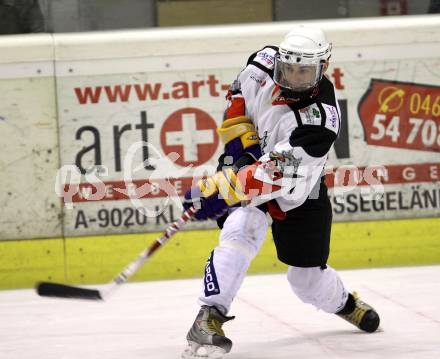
87	260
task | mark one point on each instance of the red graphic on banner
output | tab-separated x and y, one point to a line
335	177
136	189
401	115
192	134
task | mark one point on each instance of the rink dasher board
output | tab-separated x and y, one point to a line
122	87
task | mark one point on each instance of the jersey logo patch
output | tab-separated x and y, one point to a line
265	58
286	162
332	117
210	281
310	115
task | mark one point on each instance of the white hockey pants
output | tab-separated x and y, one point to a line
241	238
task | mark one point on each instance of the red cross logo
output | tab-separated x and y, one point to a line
191	133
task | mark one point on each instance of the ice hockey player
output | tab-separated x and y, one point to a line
282	108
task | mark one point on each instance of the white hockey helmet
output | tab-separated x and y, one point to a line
300	61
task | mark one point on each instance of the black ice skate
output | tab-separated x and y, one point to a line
206	338
360	314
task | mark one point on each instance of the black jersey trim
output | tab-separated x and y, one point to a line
297	115
323	113
326	92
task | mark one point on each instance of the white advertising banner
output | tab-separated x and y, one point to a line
154	127
384	165
390	147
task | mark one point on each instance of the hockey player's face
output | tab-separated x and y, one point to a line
299	76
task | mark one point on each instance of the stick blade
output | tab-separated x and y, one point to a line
46	289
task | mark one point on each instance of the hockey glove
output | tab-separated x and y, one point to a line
262	181
207	207
212	196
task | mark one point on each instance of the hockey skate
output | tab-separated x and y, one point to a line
360	314
206	338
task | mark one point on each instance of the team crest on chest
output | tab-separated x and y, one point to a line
286	161
310	115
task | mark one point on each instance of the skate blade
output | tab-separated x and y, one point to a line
197	351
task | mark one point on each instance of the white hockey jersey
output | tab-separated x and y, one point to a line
302	130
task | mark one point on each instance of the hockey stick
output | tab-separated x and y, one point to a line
48	289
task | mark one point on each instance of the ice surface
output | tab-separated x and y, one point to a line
150	320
